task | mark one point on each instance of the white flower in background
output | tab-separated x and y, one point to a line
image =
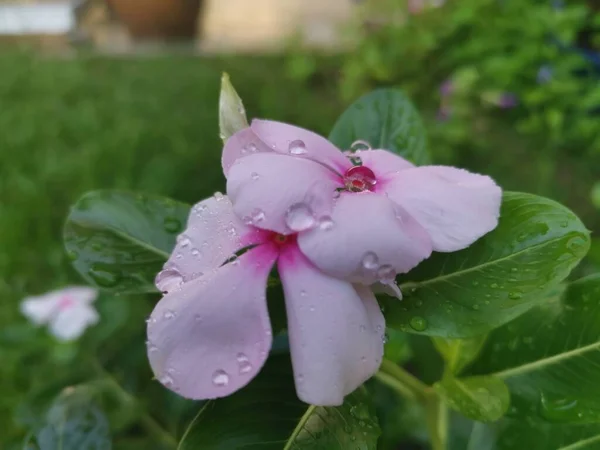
67	312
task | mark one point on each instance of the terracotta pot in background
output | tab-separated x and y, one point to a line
158	19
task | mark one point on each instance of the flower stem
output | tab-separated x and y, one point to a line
413	389
150	425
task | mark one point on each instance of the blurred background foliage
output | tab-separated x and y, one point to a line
72	124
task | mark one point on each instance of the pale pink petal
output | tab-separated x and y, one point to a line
40	309
69	323
282	194
242	143
383	163
335	333
456	207
369	239
211	337
296	141
213	234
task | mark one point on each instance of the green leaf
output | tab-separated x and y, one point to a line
550	356
386	119
467	293
74	422
458	353
119	240
232	115
397	348
530	433
267	414
484	399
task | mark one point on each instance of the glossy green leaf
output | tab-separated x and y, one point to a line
467	293
385	119
74	422
533	434
550	356
232	115
458	353
484	399
267	415
119	240
397	348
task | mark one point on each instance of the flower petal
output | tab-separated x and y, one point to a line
213	234
211	337
296	141
40	309
69	323
383	162
242	143
279	193
370	239
456	207
335	332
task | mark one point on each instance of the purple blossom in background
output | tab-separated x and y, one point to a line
508	100
544	74
446	88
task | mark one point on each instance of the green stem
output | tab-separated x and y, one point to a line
150	425
388	369
413	389
436	414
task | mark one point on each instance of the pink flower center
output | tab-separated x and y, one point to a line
65	303
359	179
282	240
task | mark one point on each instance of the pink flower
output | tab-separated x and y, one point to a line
68	311
332	228
211	333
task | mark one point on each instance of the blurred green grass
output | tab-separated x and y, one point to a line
69	125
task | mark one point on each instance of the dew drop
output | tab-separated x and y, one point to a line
494	285
418	323
250	148
257	216
303	293
370	261
167	381
168	280
254	176
195	252
360	145
219	196
326	223
515	295
169	314
299	217
103	276
183	240
171	224
220	378
72	255
386	274
297	147
244	364
151	347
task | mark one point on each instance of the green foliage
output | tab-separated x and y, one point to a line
467	293
267	414
120	240
386	119
525	361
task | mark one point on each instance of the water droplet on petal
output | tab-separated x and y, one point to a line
370	261
297	147
326	223
195	252
254	176
257	216
243	363
220	378
169	314
299	217
303	294
386	274
219	196
250	148
168	280
360	145
183	240
167	381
